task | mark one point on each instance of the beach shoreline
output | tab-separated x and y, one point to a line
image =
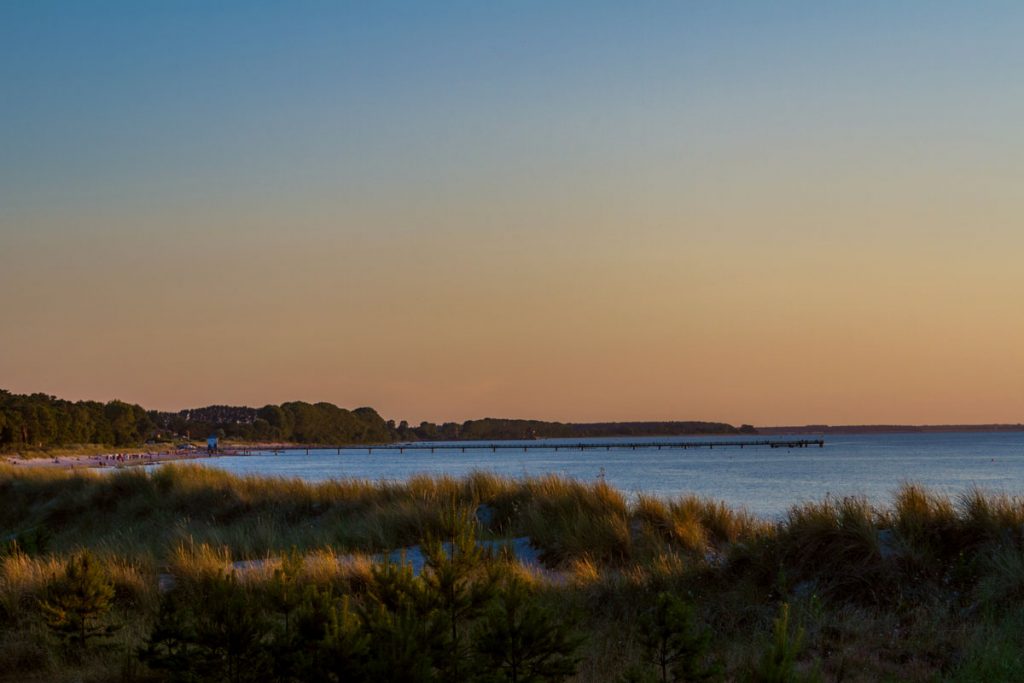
134	457
115	459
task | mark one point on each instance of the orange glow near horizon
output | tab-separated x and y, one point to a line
645	326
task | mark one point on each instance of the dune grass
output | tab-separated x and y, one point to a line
902	592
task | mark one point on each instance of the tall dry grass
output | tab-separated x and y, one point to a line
895	590
148	516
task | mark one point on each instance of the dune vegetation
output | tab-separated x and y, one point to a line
187	573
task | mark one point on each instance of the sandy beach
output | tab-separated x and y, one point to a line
112	459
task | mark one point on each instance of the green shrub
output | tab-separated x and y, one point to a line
170	645
778	663
456	576
77	602
675	643
344	650
520	641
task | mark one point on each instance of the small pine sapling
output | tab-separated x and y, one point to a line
675	643
345	645
521	641
778	664
169	645
77	602
284	591
457	576
231	631
400	617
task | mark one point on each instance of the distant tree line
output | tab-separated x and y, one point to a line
495	428
42	421
891	429
296	422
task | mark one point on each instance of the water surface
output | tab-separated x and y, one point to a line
764	480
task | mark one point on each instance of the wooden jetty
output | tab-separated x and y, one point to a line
578	446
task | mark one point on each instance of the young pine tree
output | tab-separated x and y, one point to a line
344	647
405	645
170	646
675	644
400	617
778	664
231	632
78	601
520	641
460	581
284	592
285	596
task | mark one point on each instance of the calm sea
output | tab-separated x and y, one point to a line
766	481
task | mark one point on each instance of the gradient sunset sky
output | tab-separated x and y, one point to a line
762	212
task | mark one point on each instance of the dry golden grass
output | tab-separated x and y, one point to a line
888	590
23	578
584	571
989	516
191	559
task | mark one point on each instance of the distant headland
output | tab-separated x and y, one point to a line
39	421
888	429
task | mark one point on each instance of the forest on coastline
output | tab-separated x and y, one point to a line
40	421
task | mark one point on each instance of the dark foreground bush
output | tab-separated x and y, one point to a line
466	617
77	601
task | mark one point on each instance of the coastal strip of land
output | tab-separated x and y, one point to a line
119	459
114	459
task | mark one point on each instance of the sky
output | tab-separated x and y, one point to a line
765	213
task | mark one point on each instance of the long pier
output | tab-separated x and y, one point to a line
578	446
